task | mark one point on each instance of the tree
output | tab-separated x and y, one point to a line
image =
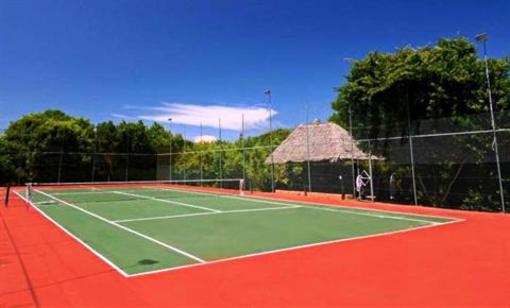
52	146
446	80
42	138
438	89
7	169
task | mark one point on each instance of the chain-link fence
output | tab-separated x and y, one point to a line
442	162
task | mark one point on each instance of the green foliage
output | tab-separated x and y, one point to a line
446	86
51	145
243	157
445	80
35	139
7	169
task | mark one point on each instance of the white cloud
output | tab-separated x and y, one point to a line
205	139
208	115
124	117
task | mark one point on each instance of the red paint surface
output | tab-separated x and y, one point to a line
461	264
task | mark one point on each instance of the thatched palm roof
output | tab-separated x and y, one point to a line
327	142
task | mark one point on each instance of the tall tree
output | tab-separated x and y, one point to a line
43	138
439	89
446	80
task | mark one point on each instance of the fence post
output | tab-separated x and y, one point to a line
370	171
184	154
201	156
482	38
126	174
352	154
411	150
221	154
270	103
308	152
60	161
157	166
93	167
243	149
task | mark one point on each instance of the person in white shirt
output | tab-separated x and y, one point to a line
359	185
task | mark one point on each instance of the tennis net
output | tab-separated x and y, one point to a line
107	192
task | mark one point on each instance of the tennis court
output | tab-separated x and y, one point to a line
151	227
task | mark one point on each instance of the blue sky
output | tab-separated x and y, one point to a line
105	60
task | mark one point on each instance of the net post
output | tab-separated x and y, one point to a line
7	194
29	192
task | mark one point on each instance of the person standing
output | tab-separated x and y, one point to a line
392	186
359	186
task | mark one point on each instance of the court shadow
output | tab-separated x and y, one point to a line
147	262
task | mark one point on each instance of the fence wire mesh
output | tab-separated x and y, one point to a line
442	162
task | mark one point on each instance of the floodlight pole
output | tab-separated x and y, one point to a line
201	155
268	93
170	149
242	146
482	38
350	61
185	176
221	154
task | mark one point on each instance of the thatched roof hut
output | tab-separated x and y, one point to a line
327	142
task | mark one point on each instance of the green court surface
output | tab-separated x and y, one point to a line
141	230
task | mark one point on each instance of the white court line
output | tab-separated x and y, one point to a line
239	257
361	209
378	216
170	247
167	201
70	193
331	208
95	252
293	248
214	194
207	213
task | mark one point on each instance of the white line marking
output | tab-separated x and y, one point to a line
376	216
166	201
329	207
206	213
336	205
170	247
95	252
209	194
71	193
294	248
452	221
